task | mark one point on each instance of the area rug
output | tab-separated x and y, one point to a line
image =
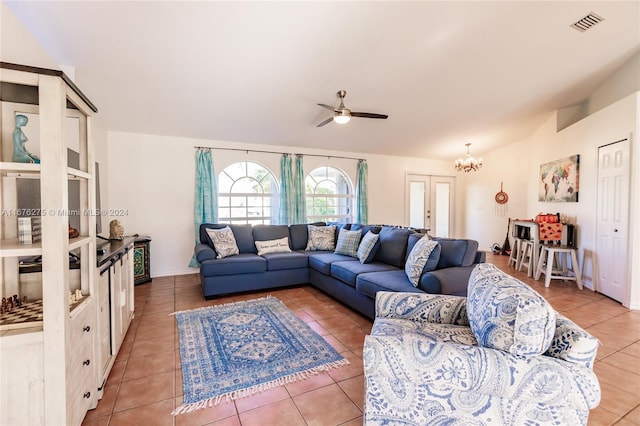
238	349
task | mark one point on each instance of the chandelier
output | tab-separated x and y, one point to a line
468	163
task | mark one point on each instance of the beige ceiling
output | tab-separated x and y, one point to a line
446	73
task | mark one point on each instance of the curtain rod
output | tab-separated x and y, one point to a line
279	153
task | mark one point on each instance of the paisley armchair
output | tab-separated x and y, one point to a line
501	356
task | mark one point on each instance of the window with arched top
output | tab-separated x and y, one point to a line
247	193
329	196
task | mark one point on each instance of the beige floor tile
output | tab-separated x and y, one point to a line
624	361
261	399
281	413
144	366
145	390
205	416
600	416
328	405
617	402
354	388
157	414
314	382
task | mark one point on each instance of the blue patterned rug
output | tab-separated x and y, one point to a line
238	349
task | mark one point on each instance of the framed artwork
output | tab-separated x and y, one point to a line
559	180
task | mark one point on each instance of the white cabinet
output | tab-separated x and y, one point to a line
47	347
116	302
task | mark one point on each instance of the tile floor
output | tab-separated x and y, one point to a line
145	383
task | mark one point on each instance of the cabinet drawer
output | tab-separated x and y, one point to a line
81	396
83	326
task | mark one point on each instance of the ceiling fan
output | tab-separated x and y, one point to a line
342	114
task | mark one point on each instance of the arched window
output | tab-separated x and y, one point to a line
329	195
247	193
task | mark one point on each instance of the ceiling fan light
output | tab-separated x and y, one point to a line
341	118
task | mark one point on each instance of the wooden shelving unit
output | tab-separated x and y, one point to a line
46	378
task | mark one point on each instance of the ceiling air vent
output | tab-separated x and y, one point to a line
587	22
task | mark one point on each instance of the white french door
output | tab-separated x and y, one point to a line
429	203
612	219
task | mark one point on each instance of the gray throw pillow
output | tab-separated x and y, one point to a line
348	242
223	241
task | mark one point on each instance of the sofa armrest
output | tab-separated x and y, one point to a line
204	252
481	257
452	281
447	367
422	307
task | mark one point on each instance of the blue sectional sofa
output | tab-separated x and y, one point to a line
341	276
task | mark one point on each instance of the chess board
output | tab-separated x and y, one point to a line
27	315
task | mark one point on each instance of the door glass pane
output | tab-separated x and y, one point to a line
442	209
417	203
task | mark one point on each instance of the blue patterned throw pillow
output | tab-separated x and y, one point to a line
348	242
508	315
321	237
418	258
368	247
223	241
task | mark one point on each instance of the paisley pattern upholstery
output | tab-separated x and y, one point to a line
572	343
321	237
224	242
417	259
506	314
423	366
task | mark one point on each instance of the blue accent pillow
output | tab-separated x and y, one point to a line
348	242
368	247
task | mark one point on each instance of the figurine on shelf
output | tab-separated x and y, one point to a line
20	153
116	231
3	307
73	232
78	295
16	301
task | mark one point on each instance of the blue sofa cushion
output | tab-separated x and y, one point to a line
300	235
348	271
270	232
278	261
393	246
365	228
321	261
456	252
243	263
396	280
242	233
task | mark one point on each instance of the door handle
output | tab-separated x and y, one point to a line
615	230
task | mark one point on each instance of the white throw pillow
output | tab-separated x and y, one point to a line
368	247
321	237
280	245
223	241
418	258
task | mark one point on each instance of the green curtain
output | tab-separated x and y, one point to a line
206	199
361	193
300	196
287	191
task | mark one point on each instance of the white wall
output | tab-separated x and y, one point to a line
519	165
152	178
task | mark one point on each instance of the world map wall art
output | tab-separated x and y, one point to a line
559	180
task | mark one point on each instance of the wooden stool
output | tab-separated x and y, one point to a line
515	252
563	253
526	257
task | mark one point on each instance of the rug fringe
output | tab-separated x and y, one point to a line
225	304
213	401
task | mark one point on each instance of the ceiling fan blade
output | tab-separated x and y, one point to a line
328	107
368	115
327	121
